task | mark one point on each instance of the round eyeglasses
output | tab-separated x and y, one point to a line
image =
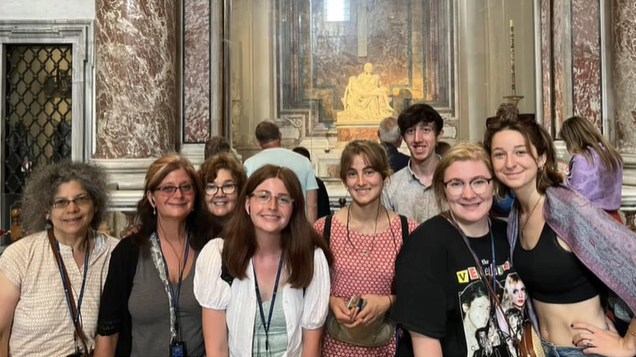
478	185
264	197
212	189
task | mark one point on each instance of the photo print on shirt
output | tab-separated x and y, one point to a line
485	327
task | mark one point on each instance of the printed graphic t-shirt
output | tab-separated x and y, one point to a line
440	293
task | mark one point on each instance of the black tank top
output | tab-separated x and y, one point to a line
554	275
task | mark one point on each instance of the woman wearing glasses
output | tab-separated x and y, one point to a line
65	203
451	271
264	287
148	306
584	255
223	178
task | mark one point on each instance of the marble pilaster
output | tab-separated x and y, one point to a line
136	88
196	70
624	73
586	60
571	61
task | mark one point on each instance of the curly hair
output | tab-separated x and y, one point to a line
210	168
44	181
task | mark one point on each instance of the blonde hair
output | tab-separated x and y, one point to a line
460	152
580	135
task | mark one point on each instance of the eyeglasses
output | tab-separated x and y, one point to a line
212	189
478	185
264	197
523	118
79	201
170	190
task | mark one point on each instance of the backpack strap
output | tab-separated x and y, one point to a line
225	274
326	232
405	227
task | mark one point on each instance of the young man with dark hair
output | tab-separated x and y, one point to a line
269	139
410	192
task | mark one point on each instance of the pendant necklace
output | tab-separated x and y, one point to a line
523	228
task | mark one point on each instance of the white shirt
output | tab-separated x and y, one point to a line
239	301
42	324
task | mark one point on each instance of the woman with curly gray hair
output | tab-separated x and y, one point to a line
51	281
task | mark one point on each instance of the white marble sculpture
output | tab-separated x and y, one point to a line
365	99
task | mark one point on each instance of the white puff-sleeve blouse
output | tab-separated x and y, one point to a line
304	309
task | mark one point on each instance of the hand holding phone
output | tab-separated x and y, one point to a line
356	301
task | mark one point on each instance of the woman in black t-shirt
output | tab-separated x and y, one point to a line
444	303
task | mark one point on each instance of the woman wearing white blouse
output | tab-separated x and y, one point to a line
264	288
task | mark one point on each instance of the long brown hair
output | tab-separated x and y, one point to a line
580	135
198	222
534	135
298	238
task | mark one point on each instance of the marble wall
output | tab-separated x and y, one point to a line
196	70
135	70
571	61
624	73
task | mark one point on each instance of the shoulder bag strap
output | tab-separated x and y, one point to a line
326	232
67	281
405	228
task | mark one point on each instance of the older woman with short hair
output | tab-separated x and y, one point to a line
40	314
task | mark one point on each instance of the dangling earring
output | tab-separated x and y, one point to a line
154	210
48	225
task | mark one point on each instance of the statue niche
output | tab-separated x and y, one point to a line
365	101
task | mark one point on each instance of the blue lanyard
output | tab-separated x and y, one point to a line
61	267
493	262
175	297
271	304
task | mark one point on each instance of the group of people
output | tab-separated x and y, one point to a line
233	260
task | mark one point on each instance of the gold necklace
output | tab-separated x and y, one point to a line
523	228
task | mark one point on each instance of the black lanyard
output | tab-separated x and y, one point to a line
271	304
175	297
60	266
493	262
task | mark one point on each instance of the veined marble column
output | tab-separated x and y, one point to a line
571	61
624	48
136	89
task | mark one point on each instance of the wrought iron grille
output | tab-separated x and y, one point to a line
37	125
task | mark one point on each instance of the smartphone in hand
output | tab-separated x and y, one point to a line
354	302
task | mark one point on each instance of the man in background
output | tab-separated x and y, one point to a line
216	145
389	134
269	139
